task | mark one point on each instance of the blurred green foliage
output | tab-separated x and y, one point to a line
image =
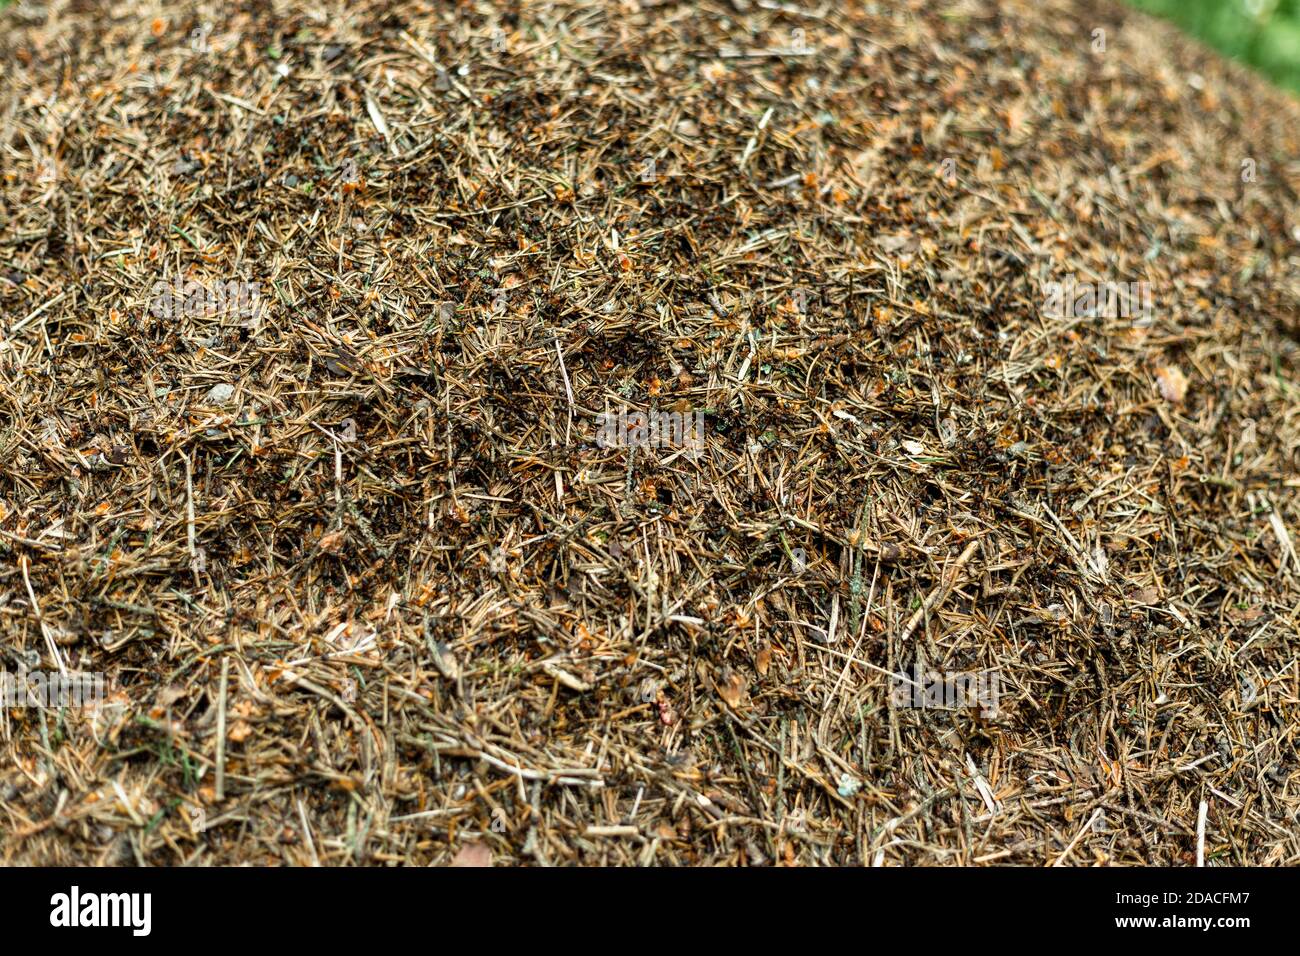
1262	33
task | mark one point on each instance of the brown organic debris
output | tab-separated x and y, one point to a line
933	342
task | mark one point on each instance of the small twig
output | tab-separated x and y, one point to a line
45	630
1200	833
1082	830
221	729
941	590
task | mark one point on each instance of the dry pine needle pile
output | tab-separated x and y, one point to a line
310	320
